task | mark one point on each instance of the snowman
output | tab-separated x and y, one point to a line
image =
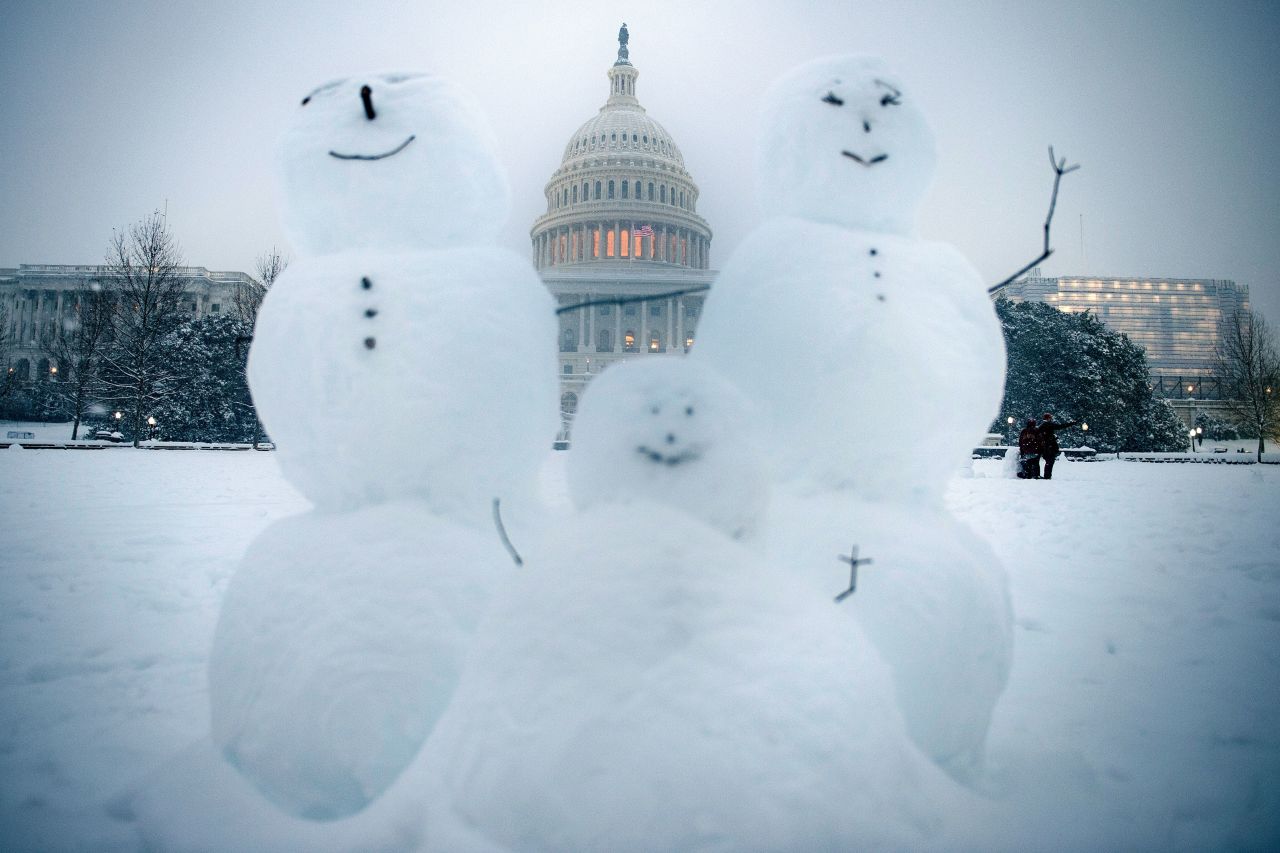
878	361
651	683
404	369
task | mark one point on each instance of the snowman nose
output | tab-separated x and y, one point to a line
366	97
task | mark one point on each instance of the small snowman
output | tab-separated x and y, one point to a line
650	683
404	368
877	361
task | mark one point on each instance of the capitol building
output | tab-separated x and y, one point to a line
621	223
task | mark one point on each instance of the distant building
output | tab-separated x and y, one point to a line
621	221
1176	320
34	298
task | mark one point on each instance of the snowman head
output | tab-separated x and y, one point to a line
843	142
668	431
390	161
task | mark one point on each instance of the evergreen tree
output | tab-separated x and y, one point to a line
1076	368
207	402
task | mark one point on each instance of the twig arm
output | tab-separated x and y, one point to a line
1060	168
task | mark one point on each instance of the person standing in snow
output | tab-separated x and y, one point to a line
1029	451
1049	442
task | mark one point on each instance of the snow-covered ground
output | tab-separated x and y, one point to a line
1142	712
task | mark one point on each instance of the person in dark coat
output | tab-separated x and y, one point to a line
1029	451
1049	442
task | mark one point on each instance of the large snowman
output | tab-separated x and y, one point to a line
650	682
878	362
404	368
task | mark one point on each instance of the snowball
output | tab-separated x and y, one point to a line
934	601
876	360
842	141
671	431
652	684
423	173
430	375
338	645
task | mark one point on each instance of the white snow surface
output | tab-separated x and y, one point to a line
1140	711
841	141
454	404
896	374
338	646
437	182
669	431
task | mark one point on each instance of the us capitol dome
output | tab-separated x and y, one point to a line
621	222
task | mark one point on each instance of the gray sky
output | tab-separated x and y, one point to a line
1173	109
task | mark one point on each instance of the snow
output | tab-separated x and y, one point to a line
443	189
1140	711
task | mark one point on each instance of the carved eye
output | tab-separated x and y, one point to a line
892	98
688	411
306	100
655	410
832	99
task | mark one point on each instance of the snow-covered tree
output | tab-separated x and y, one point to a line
1076	368
78	348
1249	363
143	269
206	403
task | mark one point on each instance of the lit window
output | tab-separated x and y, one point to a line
609	249
623	243
637	249
655	342
595	243
688	342
628	341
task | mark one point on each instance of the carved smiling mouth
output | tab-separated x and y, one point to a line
390	153
689	454
879	158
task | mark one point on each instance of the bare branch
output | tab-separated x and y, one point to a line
626	300
1060	168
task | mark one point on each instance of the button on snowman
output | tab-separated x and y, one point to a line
404	367
878	362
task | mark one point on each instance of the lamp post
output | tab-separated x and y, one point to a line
1009	420
1191	439
1199	436
151	426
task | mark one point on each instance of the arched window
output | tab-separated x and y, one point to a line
597	190
42	369
651	191
568	404
604	340
611	188
595	243
633	138
662	193
613	137
626	186
629	341
655	341
624	244
646	139
682	198
569	340
574	195
586	191
23	371
609	243
688	342
637	189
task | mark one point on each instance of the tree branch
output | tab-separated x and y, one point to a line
1060	168
625	300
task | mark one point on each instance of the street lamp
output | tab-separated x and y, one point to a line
1191	438
151	423
1200	436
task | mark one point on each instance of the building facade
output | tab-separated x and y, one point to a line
621	223
1178	321
35	298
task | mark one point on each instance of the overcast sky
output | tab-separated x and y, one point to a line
110	109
